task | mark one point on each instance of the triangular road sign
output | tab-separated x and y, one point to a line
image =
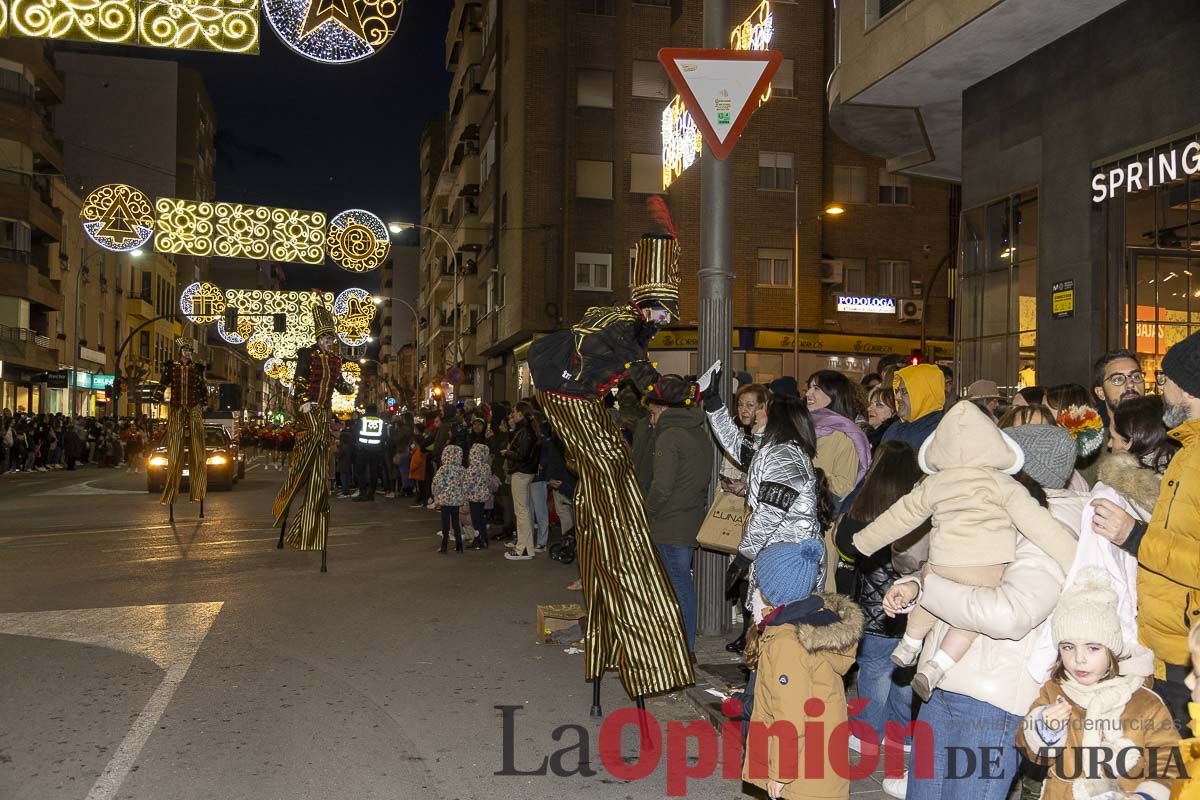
720	88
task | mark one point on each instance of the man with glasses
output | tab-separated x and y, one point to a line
1168	546
1117	377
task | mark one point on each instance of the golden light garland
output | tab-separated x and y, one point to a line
229	26
117	217
236	230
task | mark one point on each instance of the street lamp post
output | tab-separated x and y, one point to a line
398	227
831	210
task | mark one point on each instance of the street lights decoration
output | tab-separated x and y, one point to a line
117	217
358	240
355	310
334	31
399	227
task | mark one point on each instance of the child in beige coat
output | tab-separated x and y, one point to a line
977	509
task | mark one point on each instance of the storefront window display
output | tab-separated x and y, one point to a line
1154	245
997	293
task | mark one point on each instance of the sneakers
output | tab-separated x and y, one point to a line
539	548
905	655
389	495
896	787
431	504
927	677
356	493
515	556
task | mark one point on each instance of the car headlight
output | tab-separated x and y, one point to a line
218	459
158	461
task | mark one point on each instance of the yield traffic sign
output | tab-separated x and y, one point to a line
720	88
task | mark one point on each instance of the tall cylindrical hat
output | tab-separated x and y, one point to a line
323	321
656	272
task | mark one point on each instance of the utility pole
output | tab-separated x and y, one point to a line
716	319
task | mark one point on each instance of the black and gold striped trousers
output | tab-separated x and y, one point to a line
308	477
185	421
634	623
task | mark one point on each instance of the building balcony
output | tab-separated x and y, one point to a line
463	25
28	348
22	119
896	92
142	309
35	55
27	198
19	278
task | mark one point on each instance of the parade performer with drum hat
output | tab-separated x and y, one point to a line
185	422
318	375
634	621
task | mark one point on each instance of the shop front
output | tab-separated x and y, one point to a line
1081	225
768	354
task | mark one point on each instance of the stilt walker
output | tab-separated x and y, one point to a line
634	622
185	423
318	375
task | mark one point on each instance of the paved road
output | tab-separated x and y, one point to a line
156	661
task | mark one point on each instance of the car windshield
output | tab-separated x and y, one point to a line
214	438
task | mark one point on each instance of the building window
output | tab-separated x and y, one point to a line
894	278
894	190
58	323
854	276
593	272
487	157
15	239
147	279
649	80
849	184
996	299
594	88
774	267
603	8
144	345
504	209
645	173
775	170
783	83
593	179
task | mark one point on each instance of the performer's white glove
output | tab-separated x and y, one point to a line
705	380
307	407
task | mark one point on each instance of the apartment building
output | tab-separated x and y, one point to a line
1072	129
400	323
571	146
159	135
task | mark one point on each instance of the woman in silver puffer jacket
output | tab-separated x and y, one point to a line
789	500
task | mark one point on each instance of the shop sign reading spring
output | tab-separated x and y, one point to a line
1146	173
681	140
866	305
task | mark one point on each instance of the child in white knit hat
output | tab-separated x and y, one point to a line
1089	715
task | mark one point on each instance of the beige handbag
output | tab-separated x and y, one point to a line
724	523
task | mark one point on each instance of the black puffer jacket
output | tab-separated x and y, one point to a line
873	576
523	449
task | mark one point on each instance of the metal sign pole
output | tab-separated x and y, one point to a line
716	320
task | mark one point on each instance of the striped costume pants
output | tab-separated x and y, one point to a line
184	421
634	623
308	478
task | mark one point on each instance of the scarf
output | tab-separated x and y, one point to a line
826	422
1104	706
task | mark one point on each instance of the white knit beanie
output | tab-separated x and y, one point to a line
1087	612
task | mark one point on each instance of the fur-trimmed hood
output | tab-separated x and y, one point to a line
1132	479
812	628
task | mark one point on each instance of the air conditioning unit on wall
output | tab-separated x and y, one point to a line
831	271
911	310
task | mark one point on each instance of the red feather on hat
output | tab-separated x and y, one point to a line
661	214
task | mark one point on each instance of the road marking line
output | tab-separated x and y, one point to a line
84	488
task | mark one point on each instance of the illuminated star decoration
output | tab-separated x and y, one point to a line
334	31
118	217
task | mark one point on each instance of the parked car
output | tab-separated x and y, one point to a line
224	463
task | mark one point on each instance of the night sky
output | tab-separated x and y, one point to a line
299	134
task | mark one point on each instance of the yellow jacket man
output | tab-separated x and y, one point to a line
1168	546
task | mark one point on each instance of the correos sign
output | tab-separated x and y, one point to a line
866	305
1147	173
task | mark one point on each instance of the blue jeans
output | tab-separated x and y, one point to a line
977	739
891	701
677	559
540	509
